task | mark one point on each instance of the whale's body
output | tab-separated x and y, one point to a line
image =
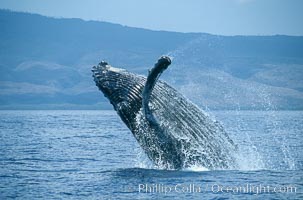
173	132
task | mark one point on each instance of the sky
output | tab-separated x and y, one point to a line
221	17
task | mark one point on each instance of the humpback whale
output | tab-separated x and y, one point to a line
173	132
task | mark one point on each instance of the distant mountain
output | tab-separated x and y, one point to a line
45	64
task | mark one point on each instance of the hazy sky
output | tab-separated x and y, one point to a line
224	17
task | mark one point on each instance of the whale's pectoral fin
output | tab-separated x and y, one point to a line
166	141
152	78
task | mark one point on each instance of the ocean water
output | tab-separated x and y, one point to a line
92	155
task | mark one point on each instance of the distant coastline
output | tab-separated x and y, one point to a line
45	64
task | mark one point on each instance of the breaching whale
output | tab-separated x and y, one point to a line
173	132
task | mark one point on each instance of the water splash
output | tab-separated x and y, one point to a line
141	160
196	168
250	155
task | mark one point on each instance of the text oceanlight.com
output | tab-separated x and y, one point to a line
216	188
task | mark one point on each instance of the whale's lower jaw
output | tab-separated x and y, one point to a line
184	136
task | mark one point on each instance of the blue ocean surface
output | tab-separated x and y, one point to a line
64	154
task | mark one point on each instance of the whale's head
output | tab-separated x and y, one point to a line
122	88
